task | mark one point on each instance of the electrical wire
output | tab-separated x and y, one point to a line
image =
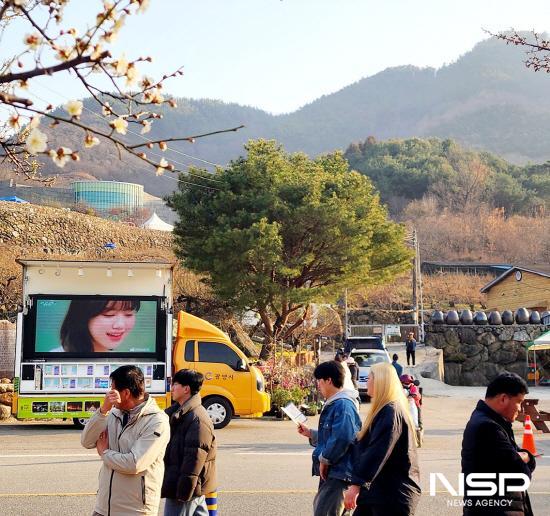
148	140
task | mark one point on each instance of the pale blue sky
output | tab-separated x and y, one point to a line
279	55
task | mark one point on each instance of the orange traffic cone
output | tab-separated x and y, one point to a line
528	437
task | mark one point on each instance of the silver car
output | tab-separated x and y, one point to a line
365	359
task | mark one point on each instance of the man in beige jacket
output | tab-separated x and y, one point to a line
130	434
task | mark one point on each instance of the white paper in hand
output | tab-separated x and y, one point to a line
293	412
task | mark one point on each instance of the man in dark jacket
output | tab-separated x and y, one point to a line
488	446
338	424
410	348
190	467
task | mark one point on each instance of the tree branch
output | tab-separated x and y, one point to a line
37	72
187	138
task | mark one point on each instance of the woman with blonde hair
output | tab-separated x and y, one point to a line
385	477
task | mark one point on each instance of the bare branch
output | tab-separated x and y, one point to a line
37	72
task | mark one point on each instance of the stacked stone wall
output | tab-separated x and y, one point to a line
474	355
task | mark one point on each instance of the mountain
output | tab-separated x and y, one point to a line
486	100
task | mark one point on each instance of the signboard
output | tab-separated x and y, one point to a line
377	330
393	329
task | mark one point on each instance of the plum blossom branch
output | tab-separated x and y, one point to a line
128	101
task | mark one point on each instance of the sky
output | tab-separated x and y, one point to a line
278	55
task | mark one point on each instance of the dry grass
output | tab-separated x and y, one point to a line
442	291
481	235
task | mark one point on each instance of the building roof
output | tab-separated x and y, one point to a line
468	264
541	270
93	264
14	198
155	222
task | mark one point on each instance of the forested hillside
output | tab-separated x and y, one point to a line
457	179
486	100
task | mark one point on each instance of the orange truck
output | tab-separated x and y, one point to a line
232	386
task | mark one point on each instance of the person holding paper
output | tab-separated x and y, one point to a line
338	424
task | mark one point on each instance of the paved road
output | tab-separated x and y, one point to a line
264	466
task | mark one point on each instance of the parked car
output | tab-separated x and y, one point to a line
365	358
370	342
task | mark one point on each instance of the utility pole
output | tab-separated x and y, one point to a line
414	277
345	317
421	326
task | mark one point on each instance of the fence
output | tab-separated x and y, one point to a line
391	332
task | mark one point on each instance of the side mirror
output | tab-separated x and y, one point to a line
241	365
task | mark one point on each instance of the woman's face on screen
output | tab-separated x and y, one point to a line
110	327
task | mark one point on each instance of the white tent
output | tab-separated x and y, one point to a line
155	222
542	342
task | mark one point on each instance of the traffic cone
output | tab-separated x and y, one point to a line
528	437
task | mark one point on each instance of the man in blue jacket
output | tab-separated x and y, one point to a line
338	424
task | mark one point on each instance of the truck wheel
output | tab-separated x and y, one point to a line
219	410
80	422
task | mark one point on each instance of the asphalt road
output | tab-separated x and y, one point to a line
263	466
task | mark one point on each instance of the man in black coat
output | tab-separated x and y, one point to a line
190	458
488	446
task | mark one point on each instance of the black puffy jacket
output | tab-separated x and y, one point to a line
488	446
190	458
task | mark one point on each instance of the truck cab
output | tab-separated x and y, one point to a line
232	386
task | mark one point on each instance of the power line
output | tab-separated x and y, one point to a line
130	131
141	136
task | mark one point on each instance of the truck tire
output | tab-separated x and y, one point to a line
80	422
219	410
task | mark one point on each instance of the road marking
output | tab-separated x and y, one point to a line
228	491
20	495
22	455
273	453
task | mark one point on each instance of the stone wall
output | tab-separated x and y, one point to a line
7	348
6	398
474	355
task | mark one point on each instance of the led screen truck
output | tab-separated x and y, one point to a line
81	320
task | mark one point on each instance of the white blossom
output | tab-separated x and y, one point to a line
14	122
106	109
122	65
143	5
36	142
120	125
74	107
91	141
35	121
61	156
163	164
33	41
131	74
146	127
